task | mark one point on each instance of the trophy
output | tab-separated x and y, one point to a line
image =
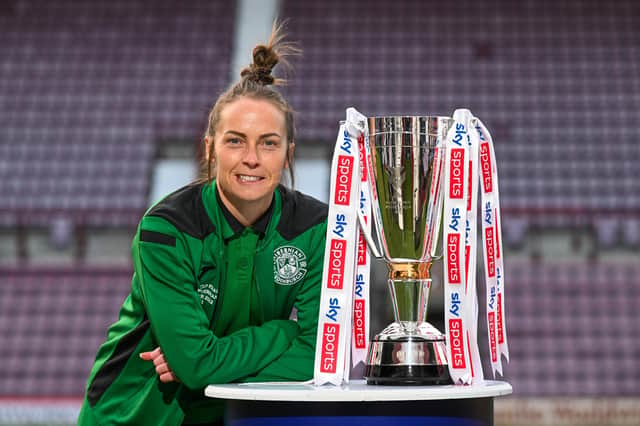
406	161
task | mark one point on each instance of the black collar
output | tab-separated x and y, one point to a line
260	225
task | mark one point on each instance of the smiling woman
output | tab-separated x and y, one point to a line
250	150
220	266
256	84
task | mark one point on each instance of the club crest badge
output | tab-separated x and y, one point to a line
289	265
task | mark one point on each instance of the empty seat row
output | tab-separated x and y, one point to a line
553	83
51	324
572	328
88	90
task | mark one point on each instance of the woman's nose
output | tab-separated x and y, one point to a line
251	155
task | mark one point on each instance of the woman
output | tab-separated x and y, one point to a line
219	267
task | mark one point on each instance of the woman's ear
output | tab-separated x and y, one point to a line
290	150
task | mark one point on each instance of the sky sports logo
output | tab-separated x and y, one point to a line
358	323
500	326
456	174
492	336
337	258
362	249
453	258
489	246
343	180
329	356
456	340
485	167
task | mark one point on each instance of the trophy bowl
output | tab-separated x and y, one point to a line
406	157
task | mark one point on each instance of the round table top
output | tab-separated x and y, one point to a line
356	390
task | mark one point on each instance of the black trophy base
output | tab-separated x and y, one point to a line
400	358
407	375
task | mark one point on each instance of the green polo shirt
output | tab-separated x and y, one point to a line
240	307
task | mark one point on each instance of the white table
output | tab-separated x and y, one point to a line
270	404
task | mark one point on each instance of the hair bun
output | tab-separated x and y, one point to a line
264	60
266	57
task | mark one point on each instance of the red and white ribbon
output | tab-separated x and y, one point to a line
492	249
461	313
456	188
340	321
471	244
360	340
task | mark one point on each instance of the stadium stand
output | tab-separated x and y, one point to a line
553	81
95	183
51	324
86	91
572	328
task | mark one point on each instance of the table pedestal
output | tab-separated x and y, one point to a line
288	404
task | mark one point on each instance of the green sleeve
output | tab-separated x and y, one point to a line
296	363
179	324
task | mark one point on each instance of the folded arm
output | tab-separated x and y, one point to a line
179	324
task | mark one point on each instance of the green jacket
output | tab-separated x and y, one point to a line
217	298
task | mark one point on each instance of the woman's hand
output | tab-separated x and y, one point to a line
162	366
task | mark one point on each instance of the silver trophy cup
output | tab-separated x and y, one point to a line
406	175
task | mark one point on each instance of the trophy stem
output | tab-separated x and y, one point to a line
409	286
410	299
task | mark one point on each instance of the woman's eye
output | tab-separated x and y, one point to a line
270	143
234	141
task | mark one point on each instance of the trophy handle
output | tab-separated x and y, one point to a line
367	236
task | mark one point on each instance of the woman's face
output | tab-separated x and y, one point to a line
250	153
